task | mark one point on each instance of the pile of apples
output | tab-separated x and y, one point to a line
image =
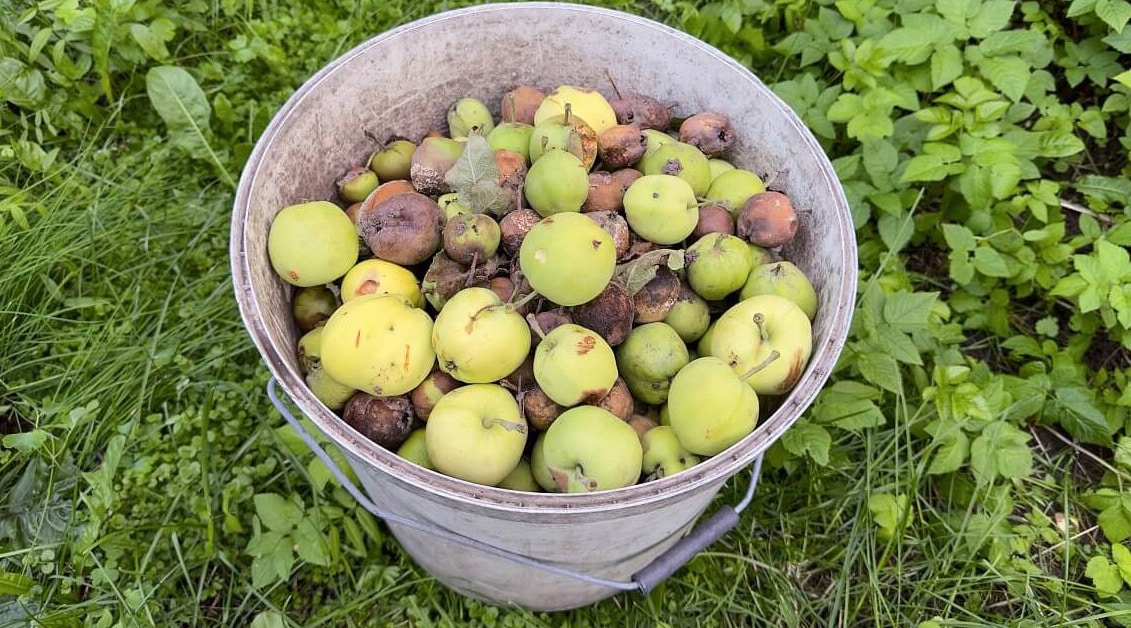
579	296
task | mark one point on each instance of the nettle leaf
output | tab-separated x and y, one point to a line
924	168
1008	74
849	405
899	345
909	311
1115	520
992	16
1081	417
637	273
882	370
1113	260
887	511
1114	13
905	45
959	238
1104	575
990	263
946	65
955	11
1001	450
953	448
276	512
1122	557
805	438
475	177
896	231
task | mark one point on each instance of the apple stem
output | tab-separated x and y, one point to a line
512	426
471	269
545	141
613	83
514	305
774	355
758	320
533	321
568	110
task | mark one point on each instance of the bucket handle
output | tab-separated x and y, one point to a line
643	581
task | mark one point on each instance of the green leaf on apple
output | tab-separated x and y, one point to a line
637	273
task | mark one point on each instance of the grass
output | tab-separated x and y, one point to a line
136	431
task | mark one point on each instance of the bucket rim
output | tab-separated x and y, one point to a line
709	471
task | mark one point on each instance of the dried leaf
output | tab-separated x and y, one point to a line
637	273
446	277
475	177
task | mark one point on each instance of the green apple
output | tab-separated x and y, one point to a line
375	276
704	344
709	407
690	316
313	243
557	182
783	279
513	136
393	161
451	206
573	364
654	139
566	132
661	208
538	467
378	343
717	265
479	339
567	258
589	449
328	390
681	160
476	433
718	166
767	339
648	358
733	188
415	449
467	116
664	455
521	479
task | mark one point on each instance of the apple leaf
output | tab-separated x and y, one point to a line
637	273
475	177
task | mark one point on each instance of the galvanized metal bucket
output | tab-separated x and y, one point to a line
538	551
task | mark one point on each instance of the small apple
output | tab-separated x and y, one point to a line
589	449
375	276
587	104
661	208
783	279
538	467
767	339
647	360
521	479
717	265
478	338
734	187
709	407
664	455
476	433
415	449
573	364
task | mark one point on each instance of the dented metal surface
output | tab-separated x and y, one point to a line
400	83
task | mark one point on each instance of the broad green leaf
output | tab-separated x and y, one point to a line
1008	74
990	263
1048	326
1120	300
1069	286
1115	522
905	45
1113	260
475	177
952	452
276	512
992	16
26	441
181	103
955	11
1124	78
909	311
1058	144
807	438
1081	417
152	38
310	543
1122	557
946	65
899	345
887	511
882	370
268	619
14	583
273	558
924	168
1114	13
101	38
1080	7
1001	450
896	231
959	238
1004	179
1104	575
